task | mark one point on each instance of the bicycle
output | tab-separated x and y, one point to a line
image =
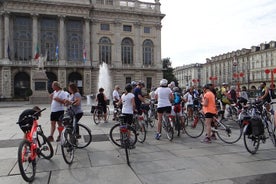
194	127
98	114
168	125
151	113
139	126
74	135
117	112
257	125
123	135
34	145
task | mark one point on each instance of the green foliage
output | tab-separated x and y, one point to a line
168	71
28	92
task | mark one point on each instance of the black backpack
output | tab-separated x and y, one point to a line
257	126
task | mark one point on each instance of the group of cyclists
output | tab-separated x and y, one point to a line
168	98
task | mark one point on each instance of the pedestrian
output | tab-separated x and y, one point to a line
75	100
164	96
102	99
57	110
209	110
115	98
139	99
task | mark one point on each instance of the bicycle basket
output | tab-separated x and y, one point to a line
26	124
257	126
93	108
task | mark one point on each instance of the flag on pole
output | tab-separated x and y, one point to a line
84	55
36	53
57	53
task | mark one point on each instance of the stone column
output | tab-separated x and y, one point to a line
94	40
87	40
61	42
6	33
6	82
1	36
157	48
137	50
116	49
62	77
87	82
35	33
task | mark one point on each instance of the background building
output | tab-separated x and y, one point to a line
72	38
245	67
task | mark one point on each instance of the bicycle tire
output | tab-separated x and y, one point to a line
24	161
97	116
141	131
151	118
251	142
45	147
229	131
67	148
85	136
116	138
195	128
166	125
271	132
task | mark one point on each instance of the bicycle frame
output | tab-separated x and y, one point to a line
31	137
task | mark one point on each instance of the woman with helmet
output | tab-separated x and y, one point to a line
164	96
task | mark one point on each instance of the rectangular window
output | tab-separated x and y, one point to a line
149	83
146	29
105	27
127	28
109	2
100	2
128	80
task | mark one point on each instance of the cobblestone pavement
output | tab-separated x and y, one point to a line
184	160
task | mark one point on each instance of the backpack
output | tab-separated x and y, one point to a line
272	93
257	126
177	98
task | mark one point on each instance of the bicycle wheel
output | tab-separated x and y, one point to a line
168	128
98	116
194	128
251	142
83	136
27	166
139	126
45	147
270	131
116	138
67	148
229	131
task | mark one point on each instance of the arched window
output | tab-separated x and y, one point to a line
127	51
74	40
147	52
22	38
105	50
49	32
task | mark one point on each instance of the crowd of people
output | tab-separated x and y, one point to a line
168	97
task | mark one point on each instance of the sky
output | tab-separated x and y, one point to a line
194	30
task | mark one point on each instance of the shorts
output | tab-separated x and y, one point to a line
167	109
190	106
56	116
128	118
209	115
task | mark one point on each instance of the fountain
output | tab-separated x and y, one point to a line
104	80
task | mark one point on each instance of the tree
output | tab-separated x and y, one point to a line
168	71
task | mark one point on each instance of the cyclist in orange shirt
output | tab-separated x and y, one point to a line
209	110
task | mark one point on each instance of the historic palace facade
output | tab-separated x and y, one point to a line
71	38
245	67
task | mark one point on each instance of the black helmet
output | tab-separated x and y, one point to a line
142	83
206	86
128	88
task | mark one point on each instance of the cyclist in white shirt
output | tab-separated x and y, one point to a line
164	96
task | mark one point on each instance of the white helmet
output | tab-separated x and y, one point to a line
163	82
